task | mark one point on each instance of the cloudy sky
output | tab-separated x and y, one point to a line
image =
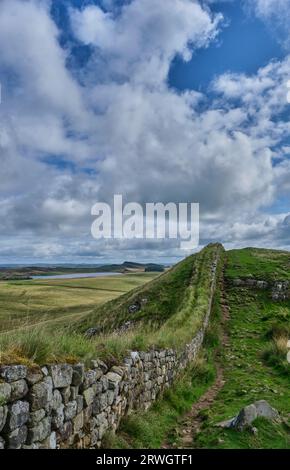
176	100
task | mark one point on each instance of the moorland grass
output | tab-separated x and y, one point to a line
160	423
176	303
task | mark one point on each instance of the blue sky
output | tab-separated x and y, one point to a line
244	46
182	104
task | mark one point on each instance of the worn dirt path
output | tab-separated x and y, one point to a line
191	423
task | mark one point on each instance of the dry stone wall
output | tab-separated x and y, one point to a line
64	405
279	290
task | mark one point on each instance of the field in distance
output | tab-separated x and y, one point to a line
42	303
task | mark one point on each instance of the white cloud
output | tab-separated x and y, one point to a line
276	14
137	136
140	42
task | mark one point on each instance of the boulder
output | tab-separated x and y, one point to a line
248	414
265	410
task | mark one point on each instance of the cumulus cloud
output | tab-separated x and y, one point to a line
276	15
65	143
140	41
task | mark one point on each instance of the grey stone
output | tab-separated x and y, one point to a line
56	400
249	413
228	423
18	389
110	397
80	403
101	365
78	422
105	383
94	435
88	414
40	431
97	387
61	375
65	431
2	443
5	392
40	395
118	370
91	377
57	419
265	410
13	373
65	393
91	332
70	410
31	446
78	374
15	439
134	308
44	370
35	417
18	415
89	396
73	393
135	356
113	380
34	375
49	442
100	403
3	416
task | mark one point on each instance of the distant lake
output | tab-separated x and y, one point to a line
76	276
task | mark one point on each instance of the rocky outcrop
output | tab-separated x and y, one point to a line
279	290
248	414
67	405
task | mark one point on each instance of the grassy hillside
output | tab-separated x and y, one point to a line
172	307
259	263
27	303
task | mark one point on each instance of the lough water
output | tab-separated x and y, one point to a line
76	276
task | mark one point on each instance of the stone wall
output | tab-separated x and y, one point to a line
279	290
65	405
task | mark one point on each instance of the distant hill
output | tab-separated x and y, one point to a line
25	272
